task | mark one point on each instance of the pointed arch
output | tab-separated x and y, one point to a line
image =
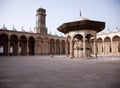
115	45
31	45
13	45
57	46
23	45
52	46
63	47
89	41
4	44
100	45
107	46
78	45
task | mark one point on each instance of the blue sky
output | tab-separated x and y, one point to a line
23	12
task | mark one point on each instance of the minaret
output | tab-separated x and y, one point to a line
41	21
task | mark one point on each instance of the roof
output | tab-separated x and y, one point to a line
81	23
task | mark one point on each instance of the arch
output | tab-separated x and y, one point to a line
100	46
13	45
31	45
75	35
89	44
78	45
88	35
68	45
107	46
115	45
57	46
52	46
119	47
38	45
92	45
45	46
63	47
4	44
23	45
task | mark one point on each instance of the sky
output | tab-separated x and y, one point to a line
22	13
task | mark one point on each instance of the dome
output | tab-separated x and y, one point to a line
80	19
14	29
23	30
4	28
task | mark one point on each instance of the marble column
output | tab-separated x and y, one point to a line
18	47
8	50
95	47
27	47
71	49
112	47
103	48
66	48
84	46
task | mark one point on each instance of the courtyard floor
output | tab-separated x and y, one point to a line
59	72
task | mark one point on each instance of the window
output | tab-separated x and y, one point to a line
102	48
110	49
1	49
11	49
119	47
20	49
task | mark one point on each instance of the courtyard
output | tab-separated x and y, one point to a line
59	72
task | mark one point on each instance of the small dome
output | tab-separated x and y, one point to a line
80	19
14	29
4	28
23	30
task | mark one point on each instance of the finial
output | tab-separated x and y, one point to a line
23	29
3	25
116	28
13	27
30	30
80	14
108	30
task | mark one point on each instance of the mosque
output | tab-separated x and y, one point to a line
82	39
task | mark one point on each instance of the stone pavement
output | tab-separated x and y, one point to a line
58	72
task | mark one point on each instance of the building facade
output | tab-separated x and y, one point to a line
108	44
78	43
24	43
14	43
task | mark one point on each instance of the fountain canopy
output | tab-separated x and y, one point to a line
81	23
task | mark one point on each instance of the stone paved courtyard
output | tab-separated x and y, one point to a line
58	72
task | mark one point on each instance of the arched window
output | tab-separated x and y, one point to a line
119	47
1	49
31	46
11	49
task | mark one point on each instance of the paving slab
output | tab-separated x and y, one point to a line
59	72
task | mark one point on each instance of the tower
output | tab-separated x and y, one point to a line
41	21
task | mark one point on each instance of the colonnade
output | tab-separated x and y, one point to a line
80	45
108	45
14	45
